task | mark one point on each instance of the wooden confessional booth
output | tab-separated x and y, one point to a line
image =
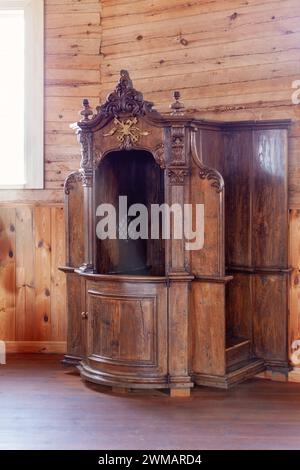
150	313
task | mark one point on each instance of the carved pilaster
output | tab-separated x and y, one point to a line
86	141
88	220
178	145
178	193
86	165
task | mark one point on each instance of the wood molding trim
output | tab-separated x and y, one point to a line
45	347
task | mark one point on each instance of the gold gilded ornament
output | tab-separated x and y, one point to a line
128	133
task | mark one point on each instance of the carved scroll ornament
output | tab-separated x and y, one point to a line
72	179
159	155
206	172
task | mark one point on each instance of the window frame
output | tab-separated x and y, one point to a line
33	92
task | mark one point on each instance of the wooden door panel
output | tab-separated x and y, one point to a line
270	316
76	340
127	325
118	321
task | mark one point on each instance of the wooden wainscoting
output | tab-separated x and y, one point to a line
32	290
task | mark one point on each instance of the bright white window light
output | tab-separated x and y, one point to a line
21	94
12	91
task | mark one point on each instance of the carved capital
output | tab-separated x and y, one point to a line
87	178
177	175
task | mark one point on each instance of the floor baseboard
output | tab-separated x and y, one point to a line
36	347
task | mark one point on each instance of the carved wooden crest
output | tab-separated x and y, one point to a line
125	99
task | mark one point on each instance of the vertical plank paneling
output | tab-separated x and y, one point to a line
42	223
25	273
7	274
35	246
58	279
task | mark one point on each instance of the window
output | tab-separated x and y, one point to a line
21	94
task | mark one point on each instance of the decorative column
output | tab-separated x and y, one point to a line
85	137
177	262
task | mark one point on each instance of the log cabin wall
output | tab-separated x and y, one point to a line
32	290
232	60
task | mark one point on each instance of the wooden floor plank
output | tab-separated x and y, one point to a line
44	406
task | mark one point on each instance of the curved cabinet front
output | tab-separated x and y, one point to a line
127	333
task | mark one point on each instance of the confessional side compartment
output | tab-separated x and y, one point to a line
238	167
255	175
221	342
270	247
73	208
127	331
207	314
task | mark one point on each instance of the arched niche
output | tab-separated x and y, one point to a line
136	175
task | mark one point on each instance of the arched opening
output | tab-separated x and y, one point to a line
135	175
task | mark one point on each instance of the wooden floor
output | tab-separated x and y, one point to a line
44	406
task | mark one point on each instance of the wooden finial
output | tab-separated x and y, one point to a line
86	111
177	107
